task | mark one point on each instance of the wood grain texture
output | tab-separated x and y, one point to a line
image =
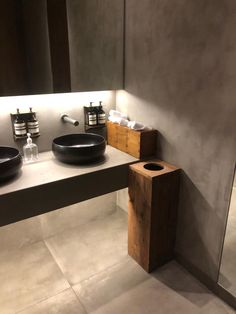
112	134
140	144
152	215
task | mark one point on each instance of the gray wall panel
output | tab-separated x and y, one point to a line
181	78
96	44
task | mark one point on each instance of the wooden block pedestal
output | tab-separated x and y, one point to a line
152	214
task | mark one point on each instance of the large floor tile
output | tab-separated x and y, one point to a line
62	303
185	285
102	288
127	289
78	214
216	306
28	276
86	250
20	234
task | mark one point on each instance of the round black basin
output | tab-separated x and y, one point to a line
10	162
79	148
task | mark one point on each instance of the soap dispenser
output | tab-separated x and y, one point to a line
101	114
30	150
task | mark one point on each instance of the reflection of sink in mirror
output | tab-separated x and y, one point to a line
10	162
79	148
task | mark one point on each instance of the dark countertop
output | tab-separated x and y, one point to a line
48	184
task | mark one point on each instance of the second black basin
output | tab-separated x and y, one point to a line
79	148
10	162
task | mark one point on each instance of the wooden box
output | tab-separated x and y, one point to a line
152	213
140	144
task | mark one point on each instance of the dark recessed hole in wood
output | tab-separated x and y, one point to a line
153	167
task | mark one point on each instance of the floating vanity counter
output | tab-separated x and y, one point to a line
49	184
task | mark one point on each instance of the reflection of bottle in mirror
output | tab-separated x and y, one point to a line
19	125
101	114
92	115
33	124
30	150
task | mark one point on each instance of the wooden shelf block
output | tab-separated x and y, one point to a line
152	214
140	144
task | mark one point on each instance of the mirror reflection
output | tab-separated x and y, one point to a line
227	276
60	46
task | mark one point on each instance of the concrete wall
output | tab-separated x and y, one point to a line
180	78
95	29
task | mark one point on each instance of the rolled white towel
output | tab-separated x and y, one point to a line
137	126
124	122
116	113
114	119
118	120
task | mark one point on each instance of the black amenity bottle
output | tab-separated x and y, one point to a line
101	116
33	124
92	116
19	126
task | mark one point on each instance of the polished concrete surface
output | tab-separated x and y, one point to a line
85	269
227	276
61	171
180	79
37	191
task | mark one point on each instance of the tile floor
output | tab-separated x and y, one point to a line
86	270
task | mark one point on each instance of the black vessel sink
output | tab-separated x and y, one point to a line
10	162
79	148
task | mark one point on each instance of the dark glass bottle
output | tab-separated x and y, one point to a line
92	116
19	125
33	124
101	116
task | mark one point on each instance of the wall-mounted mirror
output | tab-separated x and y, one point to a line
227	276
60	46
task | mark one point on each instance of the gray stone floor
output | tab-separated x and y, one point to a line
86	270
